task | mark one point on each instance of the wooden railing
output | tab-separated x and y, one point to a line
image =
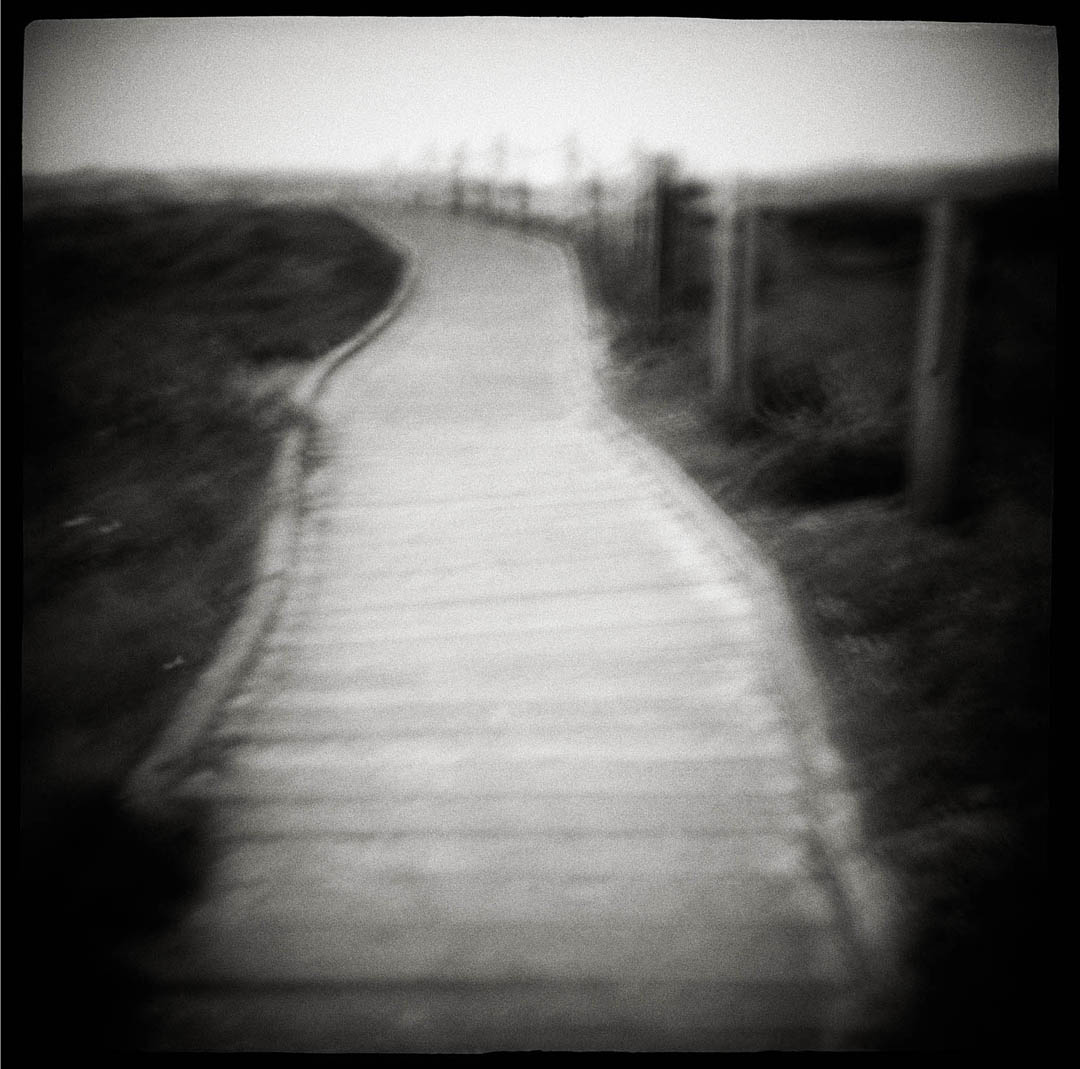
640	220
942	197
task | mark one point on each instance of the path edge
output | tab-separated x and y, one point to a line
867	889
153	785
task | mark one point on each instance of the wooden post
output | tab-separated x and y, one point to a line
751	246
640	234
458	190
523	204
657	235
935	430
644	222
731	318
659	249
724	371
596	210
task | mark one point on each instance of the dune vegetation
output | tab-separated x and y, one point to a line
162	335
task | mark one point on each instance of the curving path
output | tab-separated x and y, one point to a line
517	766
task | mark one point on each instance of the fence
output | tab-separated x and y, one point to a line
946	202
665	245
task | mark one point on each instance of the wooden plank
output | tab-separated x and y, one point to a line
262	950
433	1017
262	816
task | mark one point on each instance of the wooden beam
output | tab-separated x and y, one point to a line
906	186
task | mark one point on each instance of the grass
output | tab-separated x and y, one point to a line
161	340
936	640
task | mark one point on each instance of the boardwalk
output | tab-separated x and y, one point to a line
516	767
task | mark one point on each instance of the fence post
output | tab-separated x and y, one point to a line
523	194
660	250
751	252
644	227
731	312
935	429
595	190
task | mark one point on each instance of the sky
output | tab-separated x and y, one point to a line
532	97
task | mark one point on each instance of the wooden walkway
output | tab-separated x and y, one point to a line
514	769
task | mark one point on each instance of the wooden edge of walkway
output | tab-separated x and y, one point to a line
152	786
866	888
